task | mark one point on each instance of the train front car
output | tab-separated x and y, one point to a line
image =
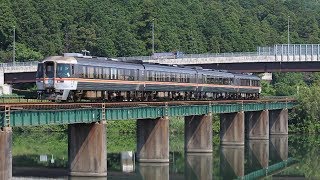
55	78
248	86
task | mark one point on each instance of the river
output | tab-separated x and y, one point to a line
45	156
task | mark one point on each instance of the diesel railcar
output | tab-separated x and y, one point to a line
74	77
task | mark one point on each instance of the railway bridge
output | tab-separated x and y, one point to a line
252	119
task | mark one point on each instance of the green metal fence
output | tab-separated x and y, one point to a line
36	117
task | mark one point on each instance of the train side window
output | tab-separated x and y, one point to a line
149	77
128	74
91	72
121	74
85	72
163	76
100	73
135	75
80	71
106	73
95	72
172	77
167	76
114	74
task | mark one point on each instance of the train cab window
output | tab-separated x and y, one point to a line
40	71
63	70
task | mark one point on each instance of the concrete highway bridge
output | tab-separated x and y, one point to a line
239	120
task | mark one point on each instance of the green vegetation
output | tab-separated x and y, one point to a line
305	88
123	28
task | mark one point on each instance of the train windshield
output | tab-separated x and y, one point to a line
49	69
63	70
40	71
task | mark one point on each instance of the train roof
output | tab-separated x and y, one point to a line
216	73
169	68
247	76
105	62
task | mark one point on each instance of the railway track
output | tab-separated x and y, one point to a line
54	105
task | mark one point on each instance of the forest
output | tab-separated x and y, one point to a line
114	28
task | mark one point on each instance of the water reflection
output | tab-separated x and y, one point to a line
86	178
232	161
226	162
127	161
198	166
154	171
258	154
278	148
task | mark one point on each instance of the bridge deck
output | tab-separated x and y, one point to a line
54	114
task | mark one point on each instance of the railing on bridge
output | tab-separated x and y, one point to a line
290	50
28	63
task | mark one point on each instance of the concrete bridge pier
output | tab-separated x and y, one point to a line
198	134
278	122
198	166
232	128
232	161
87	150
153	140
258	153
154	171
257	124
5	153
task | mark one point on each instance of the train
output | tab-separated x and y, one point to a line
75	77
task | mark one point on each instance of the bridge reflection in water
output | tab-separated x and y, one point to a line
259	158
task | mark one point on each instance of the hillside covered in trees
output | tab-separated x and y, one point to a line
123	27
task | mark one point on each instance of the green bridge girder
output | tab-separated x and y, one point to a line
37	117
270	170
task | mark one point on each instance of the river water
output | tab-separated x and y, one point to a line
44	156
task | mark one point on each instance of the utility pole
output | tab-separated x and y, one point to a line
288	34
14	45
152	36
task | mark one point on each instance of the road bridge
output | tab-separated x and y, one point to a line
277	58
87	131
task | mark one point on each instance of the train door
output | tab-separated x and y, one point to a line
49	74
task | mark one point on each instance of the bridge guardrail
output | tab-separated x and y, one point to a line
28	63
